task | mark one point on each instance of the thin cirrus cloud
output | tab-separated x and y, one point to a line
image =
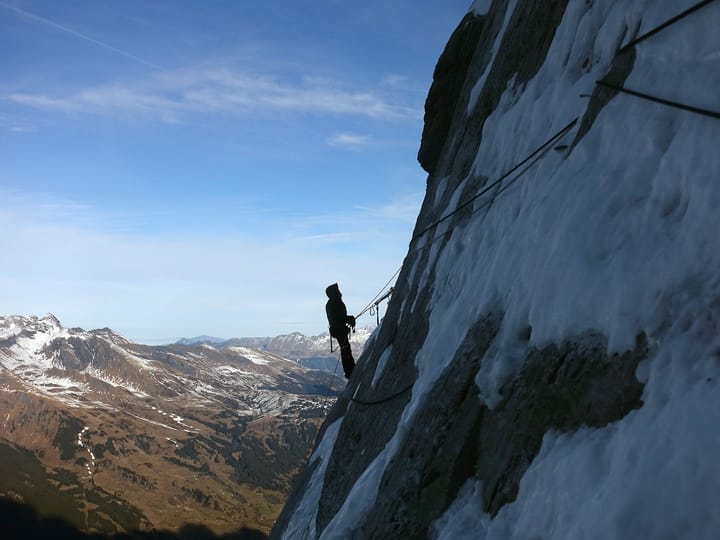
170	95
400	210
22	127
65	29
167	95
15	125
362	224
348	140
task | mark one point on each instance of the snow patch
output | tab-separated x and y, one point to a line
483	6
302	522
251	355
381	365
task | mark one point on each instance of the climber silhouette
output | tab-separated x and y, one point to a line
340	325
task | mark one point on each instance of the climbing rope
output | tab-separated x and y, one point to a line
332	381
669	103
545	146
385	399
650	97
375	309
664	25
529	161
379	297
542	149
375	300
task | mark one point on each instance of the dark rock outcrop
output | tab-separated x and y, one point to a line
448	79
560	387
524	46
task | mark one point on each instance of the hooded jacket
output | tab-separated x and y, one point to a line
336	311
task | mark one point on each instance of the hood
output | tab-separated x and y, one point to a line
333	291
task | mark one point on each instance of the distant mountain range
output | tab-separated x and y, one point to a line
312	352
198	340
113	435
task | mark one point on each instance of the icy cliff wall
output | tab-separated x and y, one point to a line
549	363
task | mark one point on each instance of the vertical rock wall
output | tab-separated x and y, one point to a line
460	385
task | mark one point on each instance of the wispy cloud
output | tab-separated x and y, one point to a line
22	128
170	285
331	238
15	125
110	100
169	95
396	81
75	33
387	225
348	140
402	209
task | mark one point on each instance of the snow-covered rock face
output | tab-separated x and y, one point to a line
550	359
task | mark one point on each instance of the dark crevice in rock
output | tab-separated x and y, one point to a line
619	71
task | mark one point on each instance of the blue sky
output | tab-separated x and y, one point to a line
173	168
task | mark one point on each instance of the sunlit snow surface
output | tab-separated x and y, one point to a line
29	360
619	236
28	345
37	369
250	355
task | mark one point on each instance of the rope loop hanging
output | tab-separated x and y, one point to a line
384	399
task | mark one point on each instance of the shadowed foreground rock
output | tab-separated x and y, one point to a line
20	522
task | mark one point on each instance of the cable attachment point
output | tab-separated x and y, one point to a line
375	308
